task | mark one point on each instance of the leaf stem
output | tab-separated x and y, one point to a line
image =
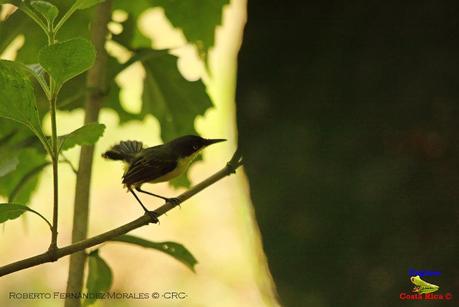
33	16
66	16
55	162
54	152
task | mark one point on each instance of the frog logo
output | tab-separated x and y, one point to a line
422	287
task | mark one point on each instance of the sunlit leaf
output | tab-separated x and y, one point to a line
68	59
17	99
198	19
13	211
132	37
176	250
85	135
99	276
46	9
173	100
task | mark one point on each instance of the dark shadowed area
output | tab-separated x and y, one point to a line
348	119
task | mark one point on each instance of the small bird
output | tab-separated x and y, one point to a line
158	163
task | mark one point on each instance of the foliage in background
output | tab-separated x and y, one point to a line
57	52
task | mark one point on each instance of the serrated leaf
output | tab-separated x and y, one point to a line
46	9
68	59
84	4
173	100
85	135
176	250
17	99
198	20
13	211
99	276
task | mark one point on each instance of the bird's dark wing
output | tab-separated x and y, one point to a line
150	165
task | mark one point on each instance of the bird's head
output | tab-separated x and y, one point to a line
189	145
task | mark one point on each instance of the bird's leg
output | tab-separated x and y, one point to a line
172	200
152	214
139	189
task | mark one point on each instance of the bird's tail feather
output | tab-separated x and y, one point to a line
124	151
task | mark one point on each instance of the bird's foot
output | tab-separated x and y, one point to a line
153	216
174	201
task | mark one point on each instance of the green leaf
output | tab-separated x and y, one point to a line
10	212
84	4
67	59
46	9
19	185
8	163
132	37
37	71
13	211
85	135
197	19
173	100
17	99
181	181
17	161
176	250
99	276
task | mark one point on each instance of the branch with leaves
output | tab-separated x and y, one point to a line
63	63
117	233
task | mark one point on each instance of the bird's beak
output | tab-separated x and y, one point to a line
213	141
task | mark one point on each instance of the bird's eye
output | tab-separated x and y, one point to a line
195	147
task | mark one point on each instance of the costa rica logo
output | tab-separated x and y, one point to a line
421	286
424	290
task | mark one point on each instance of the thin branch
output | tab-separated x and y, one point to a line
69	163
229	169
